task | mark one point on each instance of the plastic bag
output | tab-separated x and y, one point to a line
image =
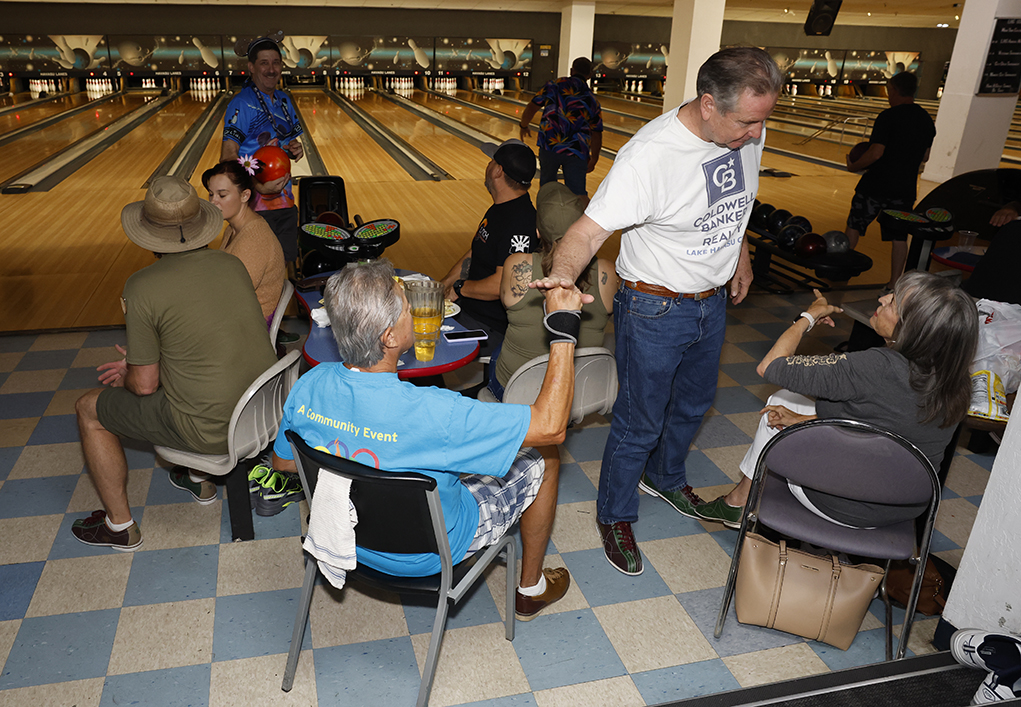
988	400
999	342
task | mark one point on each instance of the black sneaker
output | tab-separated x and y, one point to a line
287	337
279	490
94	531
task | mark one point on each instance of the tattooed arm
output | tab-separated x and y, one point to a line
517	273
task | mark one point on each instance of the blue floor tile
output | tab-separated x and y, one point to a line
525	699
66	545
476	608
941	542
771	330
13	344
36	497
15	405
46	360
17	585
718	431
105	337
868	647
574	485
742	373
587	445
657	520
684	681
55	429
8	458
285	524
736	399
80	379
977	500
173	687
947	494
180	574
983	460
373	673
726	539
602	584
787	314
756	349
162	492
702	471
61	648
566	649
704	606
249	625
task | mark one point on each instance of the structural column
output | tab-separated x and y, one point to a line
694	36
577	27
971	130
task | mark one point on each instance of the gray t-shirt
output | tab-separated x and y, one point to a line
868	386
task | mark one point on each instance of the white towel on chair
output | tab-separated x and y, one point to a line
331	528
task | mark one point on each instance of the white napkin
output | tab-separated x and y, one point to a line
331	528
320	317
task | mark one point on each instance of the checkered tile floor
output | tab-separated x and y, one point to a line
192	618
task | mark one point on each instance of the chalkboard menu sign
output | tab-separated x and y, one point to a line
1002	71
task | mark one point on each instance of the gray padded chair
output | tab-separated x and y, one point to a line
253	427
398	513
595	382
278	313
853	460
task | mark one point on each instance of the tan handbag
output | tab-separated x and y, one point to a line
808	595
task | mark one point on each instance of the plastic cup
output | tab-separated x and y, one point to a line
965	241
426	300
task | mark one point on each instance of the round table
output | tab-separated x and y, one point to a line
321	347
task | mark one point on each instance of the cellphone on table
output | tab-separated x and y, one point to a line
467	335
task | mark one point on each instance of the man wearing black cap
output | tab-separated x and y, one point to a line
260	115
508	227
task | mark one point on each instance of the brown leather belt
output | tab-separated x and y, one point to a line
664	292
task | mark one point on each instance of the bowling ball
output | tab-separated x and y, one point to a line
777	220
858	150
810	245
760	216
331	218
791	233
800	221
273	163
836	242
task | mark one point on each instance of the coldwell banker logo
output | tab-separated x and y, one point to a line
724	176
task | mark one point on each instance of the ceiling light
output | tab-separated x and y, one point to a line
869	14
957	17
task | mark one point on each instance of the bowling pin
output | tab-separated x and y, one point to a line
207	54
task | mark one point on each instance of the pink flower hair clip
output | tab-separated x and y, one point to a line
250	164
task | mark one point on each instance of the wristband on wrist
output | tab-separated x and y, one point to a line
458	284
809	317
564	324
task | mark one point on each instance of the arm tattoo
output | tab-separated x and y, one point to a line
604	278
465	267
522	273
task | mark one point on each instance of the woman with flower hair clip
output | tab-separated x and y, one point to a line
247	236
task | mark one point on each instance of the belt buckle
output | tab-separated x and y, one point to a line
699	296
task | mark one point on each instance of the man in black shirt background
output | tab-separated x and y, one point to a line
899	144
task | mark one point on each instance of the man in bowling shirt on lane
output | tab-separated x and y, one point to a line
682	191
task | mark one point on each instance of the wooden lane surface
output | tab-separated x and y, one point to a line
12	98
345	148
643	109
66	257
513	110
30	149
457	157
33	114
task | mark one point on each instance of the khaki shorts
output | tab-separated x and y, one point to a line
145	417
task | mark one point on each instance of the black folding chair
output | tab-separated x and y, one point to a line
853	460
397	513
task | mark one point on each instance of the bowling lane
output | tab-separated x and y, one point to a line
13	98
630	105
611	120
30	149
33	114
458	158
346	149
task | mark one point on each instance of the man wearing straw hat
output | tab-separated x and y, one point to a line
196	339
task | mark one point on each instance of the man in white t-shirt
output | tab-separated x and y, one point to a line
681	191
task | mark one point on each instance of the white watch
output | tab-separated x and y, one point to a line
810	318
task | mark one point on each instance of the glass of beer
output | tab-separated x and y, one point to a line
426	300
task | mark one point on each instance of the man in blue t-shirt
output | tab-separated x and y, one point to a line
257	116
480	454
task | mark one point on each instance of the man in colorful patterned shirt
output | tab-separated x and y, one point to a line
570	130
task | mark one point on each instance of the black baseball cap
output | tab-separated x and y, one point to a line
516	158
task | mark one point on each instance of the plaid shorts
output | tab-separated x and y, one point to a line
502	501
865	210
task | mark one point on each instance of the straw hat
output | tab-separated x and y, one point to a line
172	219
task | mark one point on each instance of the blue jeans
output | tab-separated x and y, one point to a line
668	357
575	170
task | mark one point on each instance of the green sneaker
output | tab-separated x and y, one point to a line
255	479
279	490
722	512
287	337
203	491
683	500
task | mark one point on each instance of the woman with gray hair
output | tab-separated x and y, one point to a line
917	386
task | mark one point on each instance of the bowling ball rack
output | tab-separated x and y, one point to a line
777	277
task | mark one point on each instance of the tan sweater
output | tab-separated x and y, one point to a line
258	248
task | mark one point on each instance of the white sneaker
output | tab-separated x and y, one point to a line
991	690
967	648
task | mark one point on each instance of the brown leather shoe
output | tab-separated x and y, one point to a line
620	547
558	581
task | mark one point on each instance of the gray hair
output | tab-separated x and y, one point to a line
937	333
362	303
731	71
